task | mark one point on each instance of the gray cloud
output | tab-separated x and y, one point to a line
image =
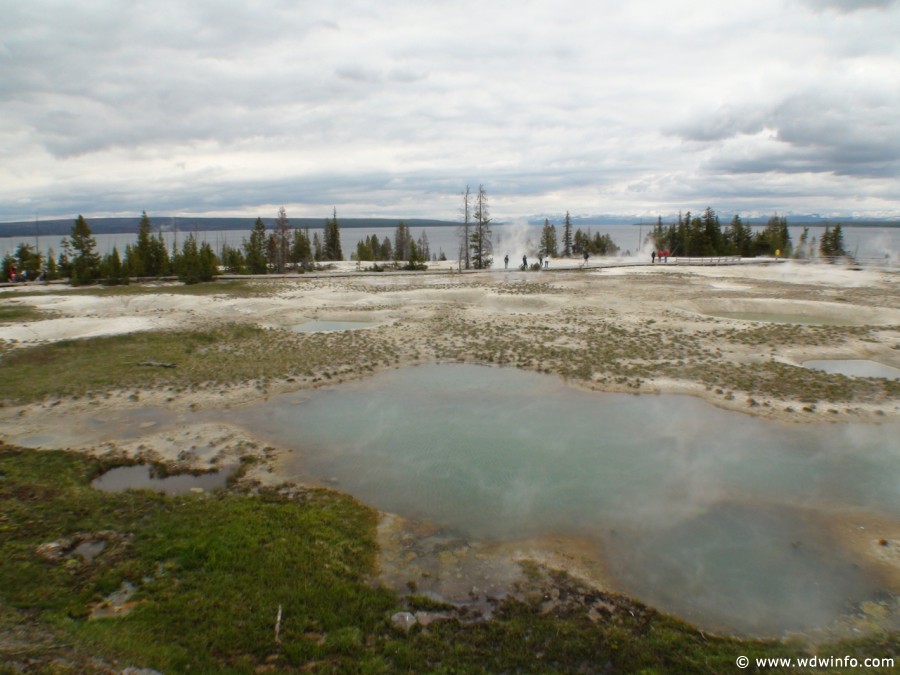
848	6
856	134
217	106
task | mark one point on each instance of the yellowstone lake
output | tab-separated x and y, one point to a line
734	523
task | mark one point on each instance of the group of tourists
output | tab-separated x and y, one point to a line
543	263
14	276
662	256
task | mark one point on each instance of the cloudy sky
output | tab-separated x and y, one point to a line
390	108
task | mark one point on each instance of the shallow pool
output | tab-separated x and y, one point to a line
771	317
142	477
317	326
854	368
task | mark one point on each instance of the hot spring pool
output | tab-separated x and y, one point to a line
321	326
723	519
854	368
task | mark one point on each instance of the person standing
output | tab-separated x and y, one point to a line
652	257
506	261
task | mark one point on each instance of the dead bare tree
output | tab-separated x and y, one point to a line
464	230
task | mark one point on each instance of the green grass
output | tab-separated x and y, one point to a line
211	569
224	355
10	313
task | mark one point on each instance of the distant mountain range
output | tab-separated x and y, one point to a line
63	226
724	219
200	224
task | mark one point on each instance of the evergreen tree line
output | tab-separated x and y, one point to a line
277	251
80	263
284	249
414	253
575	243
703	235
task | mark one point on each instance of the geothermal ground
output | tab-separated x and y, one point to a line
735	336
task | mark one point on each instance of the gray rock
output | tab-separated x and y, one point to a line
403	621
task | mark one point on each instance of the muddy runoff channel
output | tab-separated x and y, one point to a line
736	524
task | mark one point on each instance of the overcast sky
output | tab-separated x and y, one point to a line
391	108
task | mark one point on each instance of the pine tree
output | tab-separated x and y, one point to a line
196	264
86	263
364	250
7	267
387	252
160	265
209	264
318	251
114	272
141	265
282	248
29	262
832	244
775	237
401	242
301	249
712	233
739	238
424	248
567	236
232	259
549	246
332	244
255	249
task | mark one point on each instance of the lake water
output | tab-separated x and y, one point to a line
512	239
726	520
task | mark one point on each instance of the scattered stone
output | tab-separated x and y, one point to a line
89	549
116	603
54	550
403	621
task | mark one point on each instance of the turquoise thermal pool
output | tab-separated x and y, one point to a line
729	521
